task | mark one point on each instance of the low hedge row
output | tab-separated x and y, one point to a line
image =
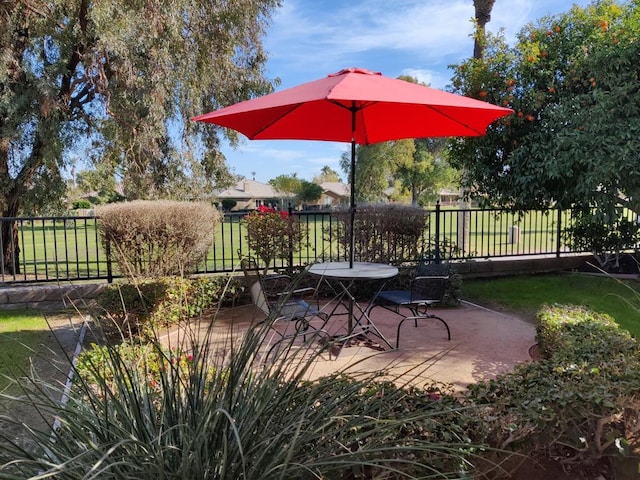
578	404
162	302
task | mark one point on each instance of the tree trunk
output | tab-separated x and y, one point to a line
9	236
483	16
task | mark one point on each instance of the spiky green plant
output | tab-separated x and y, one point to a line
152	417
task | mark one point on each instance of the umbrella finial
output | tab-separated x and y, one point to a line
363	71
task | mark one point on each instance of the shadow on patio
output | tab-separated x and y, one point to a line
484	343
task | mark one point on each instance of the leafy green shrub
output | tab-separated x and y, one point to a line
78	204
383	233
160	238
228	204
605	239
128	307
167	301
569	332
579	403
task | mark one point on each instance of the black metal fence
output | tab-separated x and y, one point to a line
69	248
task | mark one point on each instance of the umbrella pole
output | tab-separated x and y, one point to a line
353	204
353	186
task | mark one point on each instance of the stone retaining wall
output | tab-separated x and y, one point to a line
48	297
520	266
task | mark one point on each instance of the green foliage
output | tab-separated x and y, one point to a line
272	234
286	183
228	204
309	192
136	308
572	81
605	238
383	233
427	172
78	204
577	402
124	76
327	174
376	165
155	239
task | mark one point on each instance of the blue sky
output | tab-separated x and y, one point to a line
309	39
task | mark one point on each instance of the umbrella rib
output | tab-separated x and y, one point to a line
444	114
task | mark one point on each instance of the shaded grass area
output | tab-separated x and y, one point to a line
526	294
21	332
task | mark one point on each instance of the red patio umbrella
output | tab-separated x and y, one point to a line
358	106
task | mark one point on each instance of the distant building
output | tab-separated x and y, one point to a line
333	194
250	194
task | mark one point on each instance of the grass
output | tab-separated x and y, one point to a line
20	333
526	294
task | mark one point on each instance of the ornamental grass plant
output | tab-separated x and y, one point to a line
161	411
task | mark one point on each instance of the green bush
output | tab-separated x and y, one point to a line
228	204
78	204
274	234
579	403
156	239
168	301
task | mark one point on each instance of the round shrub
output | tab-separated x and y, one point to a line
157	238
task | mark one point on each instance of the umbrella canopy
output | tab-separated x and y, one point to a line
358	106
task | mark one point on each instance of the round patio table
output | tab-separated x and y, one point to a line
341	274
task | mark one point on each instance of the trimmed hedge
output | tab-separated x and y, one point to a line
579	404
153	239
163	302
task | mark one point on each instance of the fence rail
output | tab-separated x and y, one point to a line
69	248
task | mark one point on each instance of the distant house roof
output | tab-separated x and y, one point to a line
339	189
247	189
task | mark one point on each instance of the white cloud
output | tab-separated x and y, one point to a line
343	34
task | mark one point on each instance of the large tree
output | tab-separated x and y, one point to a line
574	82
327	174
376	167
426	172
125	74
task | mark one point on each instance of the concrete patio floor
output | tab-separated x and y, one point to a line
484	343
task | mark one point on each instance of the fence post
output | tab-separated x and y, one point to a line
108	252
559	232
290	269
437	234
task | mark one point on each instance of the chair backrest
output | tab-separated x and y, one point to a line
426	269
431	281
431	289
254	283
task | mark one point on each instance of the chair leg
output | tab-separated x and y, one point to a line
415	319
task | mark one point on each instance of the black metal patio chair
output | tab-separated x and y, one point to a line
276	296
427	288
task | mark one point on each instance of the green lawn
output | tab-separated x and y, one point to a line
526	294
20	332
